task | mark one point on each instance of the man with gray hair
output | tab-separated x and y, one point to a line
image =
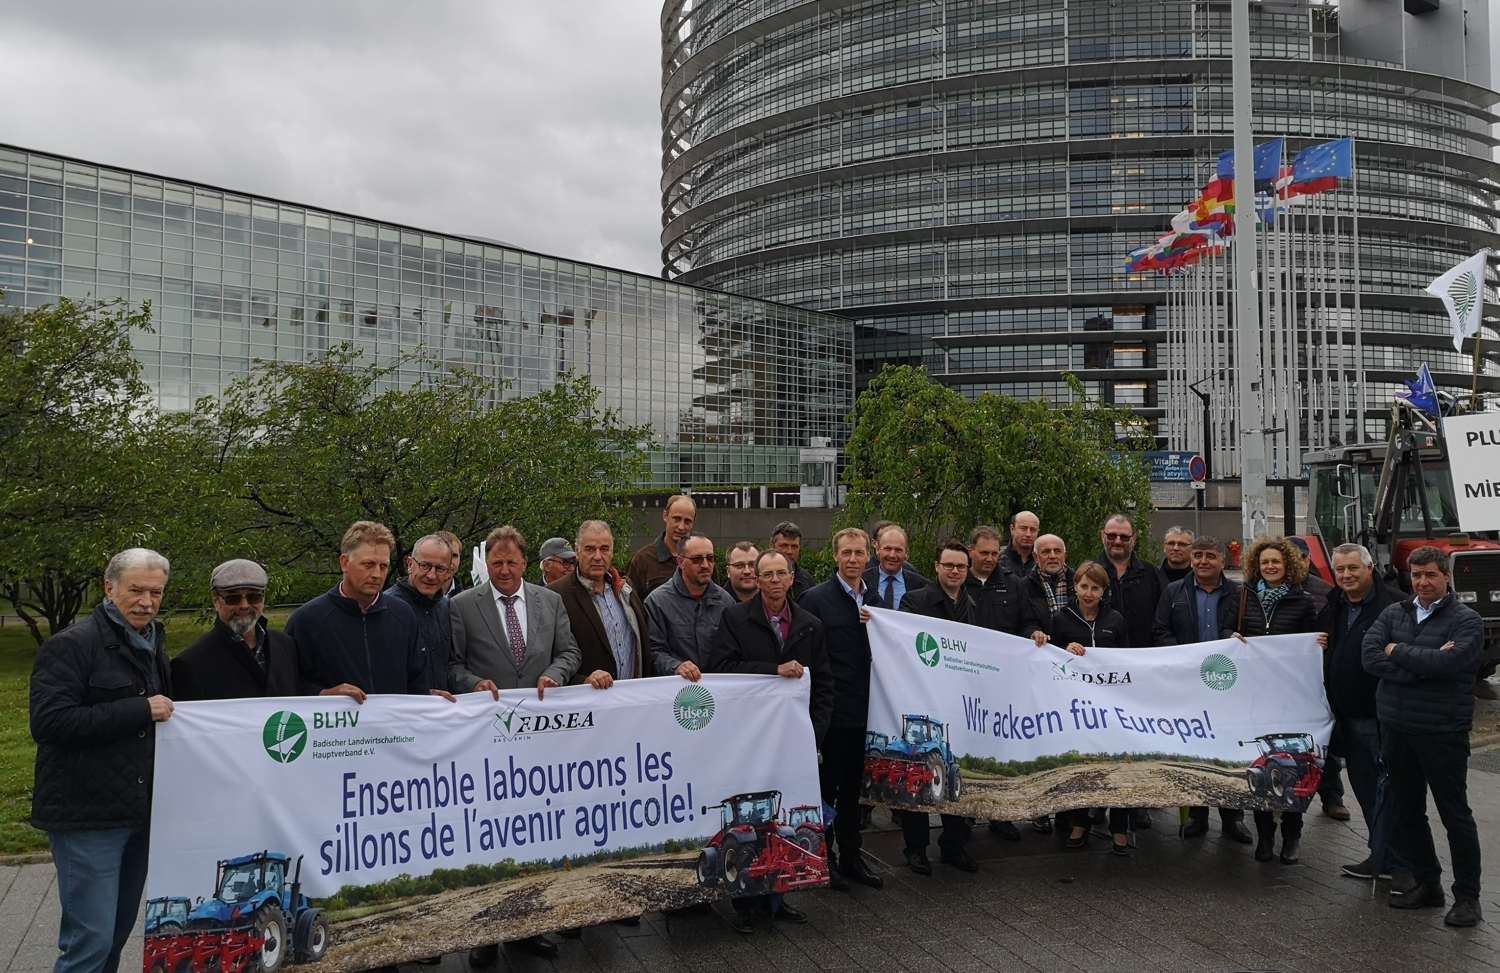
240	657
429	574
98	688
1177	562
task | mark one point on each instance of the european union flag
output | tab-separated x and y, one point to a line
1267	160
1329	160
1421	392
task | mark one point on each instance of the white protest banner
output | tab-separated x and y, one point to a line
315	829
1473	443
1007	730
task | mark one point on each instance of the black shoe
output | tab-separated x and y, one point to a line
740	922
577	931
628	921
1141	819
484	955
537	946
1119	850
860	875
1402	882
1082	841
1364	870
1465	913
1290	847
836	881
1237	831
961	860
917	862
1195	828
1006	830
1042	824
1424	896
1265	848
789	913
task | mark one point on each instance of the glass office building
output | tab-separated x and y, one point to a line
963	178
732	387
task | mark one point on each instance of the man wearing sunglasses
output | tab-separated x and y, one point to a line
240	656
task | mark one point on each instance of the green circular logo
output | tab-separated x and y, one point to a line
1218	672
927	649
693	707
284	736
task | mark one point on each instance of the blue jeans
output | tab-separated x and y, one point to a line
100	878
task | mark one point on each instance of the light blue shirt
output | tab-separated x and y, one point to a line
858	596
1208	612
898	589
617	627
1423	613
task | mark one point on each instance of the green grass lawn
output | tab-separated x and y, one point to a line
18	752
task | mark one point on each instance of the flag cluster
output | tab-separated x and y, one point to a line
1203	228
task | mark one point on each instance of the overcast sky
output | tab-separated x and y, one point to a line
529	121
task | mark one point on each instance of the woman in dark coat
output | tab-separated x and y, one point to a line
1273	601
1084	624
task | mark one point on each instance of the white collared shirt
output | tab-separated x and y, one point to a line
1422	613
520	606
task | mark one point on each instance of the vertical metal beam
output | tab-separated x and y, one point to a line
1247	325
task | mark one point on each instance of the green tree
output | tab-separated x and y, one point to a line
300	450
924	456
80	474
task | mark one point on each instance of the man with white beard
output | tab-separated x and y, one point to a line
240	656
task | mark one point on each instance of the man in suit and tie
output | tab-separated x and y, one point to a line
509	633
890	578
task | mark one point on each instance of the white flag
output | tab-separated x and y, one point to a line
1462	293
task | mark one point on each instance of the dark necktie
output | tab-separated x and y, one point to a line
890	591
513	629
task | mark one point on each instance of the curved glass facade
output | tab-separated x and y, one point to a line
732	387
963	178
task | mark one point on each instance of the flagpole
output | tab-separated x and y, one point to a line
1478	358
1359	324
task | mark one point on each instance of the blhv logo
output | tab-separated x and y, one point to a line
284	736
1218	672
693	707
927	649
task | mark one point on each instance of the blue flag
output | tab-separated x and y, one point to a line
1328	160
1267	162
1421	392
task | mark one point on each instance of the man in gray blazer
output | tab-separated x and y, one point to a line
509	633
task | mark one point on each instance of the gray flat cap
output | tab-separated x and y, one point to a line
238	573
557	547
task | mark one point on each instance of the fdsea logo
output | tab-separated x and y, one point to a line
1064	672
513	723
693	707
1218	672
927	649
284	736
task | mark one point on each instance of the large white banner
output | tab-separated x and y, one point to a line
1474	455
354	802
960	711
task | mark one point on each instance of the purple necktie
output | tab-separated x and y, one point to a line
513	627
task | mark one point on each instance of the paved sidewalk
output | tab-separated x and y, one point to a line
1190	906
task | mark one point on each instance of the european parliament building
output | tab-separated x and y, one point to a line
732	387
963	178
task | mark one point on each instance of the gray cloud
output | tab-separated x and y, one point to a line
534	123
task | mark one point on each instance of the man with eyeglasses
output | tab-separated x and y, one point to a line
429	569
240	657
740	572
682	615
558	559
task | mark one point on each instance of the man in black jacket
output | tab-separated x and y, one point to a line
770	635
350	640
240	657
1135	587
949	600
425	591
1020	553
890	578
98	688
839	603
1425	652
1177	557
1348	615
786	537
996	592
1048	586
1189	612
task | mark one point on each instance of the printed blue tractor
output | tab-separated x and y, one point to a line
255	919
167	915
917	767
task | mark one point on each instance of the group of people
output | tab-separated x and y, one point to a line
1399	672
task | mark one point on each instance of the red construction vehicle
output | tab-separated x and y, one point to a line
756	852
1393	498
1288	770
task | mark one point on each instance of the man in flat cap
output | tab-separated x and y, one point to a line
557	559
240	656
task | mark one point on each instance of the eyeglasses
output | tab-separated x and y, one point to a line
699	558
233	598
1110	536
427	567
952	567
775	575
742	565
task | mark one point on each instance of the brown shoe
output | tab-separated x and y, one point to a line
1336	810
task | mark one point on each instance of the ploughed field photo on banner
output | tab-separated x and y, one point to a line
313	830
974	722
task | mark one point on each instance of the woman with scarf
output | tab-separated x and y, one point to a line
1083	624
1273	601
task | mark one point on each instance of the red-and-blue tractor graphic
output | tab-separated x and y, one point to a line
917	767
1288	770
757	852
257	921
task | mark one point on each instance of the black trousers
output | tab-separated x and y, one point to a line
1227	815
1291	824
917	831
1416	763
1119	819
840	777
